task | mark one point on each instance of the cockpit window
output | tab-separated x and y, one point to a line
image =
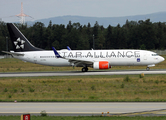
154	54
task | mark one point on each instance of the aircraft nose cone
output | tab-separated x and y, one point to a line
162	59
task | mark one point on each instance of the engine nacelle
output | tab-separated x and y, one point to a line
101	65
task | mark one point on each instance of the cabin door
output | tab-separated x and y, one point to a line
145	56
35	58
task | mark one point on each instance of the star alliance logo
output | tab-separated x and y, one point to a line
19	43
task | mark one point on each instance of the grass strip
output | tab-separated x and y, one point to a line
122	88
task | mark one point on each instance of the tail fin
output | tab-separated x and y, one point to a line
19	41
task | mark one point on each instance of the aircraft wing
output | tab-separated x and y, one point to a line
13	53
80	62
75	62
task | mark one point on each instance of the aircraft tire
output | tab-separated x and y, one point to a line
84	69
147	68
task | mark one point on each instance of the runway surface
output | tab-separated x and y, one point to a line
77	73
84	108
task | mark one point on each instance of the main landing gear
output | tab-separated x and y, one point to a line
84	69
147	68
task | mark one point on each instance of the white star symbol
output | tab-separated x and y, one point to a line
19	43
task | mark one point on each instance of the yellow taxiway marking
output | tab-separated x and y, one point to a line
163	111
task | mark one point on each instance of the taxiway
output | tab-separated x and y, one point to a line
83	108
78	73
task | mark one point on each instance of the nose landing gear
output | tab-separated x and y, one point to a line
147	68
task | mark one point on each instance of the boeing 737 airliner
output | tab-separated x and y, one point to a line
97	59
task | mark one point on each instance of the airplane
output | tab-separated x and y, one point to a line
97	59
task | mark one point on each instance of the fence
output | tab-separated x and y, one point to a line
1	56
160	52
5	56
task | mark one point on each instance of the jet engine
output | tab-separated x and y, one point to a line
101	65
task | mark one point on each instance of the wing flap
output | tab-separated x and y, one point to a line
79	63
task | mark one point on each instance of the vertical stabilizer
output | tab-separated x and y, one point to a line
19	41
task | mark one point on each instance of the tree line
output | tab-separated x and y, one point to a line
132	35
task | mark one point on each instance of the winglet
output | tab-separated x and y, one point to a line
68	48
56	53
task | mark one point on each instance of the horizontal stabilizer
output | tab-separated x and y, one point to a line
13	53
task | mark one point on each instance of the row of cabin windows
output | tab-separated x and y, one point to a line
97	56
47	57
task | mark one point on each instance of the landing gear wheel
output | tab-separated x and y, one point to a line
84	69
147	68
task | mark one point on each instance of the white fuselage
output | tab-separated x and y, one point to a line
114	57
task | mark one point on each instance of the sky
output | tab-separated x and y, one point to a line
40	9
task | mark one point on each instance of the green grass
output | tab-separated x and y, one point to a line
84	88
84	118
